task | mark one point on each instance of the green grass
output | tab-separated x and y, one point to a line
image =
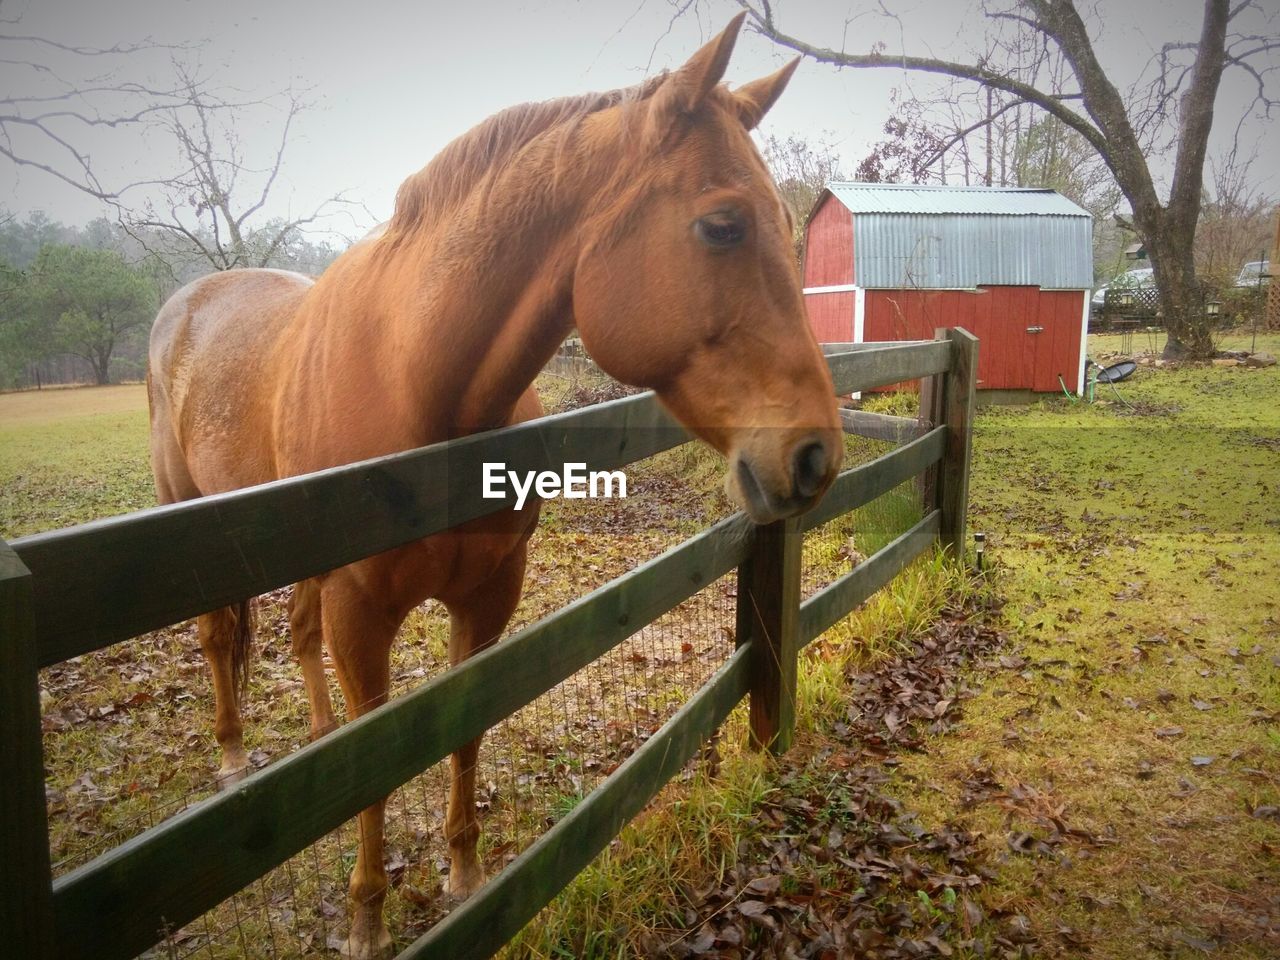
1138	550
69	456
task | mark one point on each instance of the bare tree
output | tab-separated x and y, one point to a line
211	205
1236	222
1171	107
212	202
45	116
802	170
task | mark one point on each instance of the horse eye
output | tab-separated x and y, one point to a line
720	230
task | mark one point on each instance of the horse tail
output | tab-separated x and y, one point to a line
241	646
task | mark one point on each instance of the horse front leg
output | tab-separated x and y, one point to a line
476	621
359	635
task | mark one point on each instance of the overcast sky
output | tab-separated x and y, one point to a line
393	81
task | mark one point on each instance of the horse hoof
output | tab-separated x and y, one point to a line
463	883
226	779
323	730
360	948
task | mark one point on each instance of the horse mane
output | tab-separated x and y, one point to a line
457	169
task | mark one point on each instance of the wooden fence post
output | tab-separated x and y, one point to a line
930	416
26	896
768	616
959	385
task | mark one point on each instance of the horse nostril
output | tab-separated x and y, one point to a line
810	468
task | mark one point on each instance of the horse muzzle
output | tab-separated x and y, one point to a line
773	486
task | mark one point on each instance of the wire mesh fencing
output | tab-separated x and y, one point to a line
143	749
128	730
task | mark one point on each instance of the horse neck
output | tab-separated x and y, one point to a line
493	289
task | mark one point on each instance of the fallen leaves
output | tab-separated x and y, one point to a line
834	865
919	694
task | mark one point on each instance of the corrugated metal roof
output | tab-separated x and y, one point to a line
918	198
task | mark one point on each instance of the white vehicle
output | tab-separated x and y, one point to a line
1255	273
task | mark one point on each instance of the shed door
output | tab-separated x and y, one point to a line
1029	336
1057	344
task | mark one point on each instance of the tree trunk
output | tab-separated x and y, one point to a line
1181	300
101	367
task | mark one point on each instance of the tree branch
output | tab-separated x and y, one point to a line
973	128
762	22
294	107
119	48
89	185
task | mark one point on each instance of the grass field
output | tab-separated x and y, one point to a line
1138	550
72	455
1115	778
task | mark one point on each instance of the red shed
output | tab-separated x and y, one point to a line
1012	265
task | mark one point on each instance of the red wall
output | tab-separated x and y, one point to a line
1009	357
828	248
831	316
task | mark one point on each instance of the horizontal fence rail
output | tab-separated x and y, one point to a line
73	591
881	426
109	580
833	603
894	363
859	486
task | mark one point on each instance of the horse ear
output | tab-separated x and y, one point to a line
685	89
755	98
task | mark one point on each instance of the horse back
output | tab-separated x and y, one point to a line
211	373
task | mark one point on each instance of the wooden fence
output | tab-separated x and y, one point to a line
73	591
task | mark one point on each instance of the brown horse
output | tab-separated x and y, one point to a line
644	216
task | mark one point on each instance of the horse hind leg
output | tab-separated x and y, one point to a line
226	637
475	623
306	626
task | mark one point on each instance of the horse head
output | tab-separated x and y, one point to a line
687	283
